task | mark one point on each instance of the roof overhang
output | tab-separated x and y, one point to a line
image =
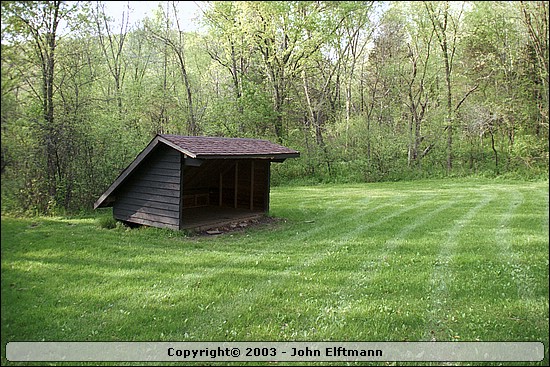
273	157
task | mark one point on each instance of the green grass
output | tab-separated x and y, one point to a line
445	260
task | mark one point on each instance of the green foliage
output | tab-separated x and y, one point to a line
530	149
346	83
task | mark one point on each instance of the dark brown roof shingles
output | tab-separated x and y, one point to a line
203	146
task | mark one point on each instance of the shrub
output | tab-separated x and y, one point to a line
107	222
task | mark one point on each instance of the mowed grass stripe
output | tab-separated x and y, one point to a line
530	249
242	302
392	245
320	225
384	296
309	225
360	302
354	205
357	226
328	245
486	278
508	256
304	241
314	239
528	268
373	241
442	275
480	285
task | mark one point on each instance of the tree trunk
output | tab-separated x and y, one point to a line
192	127
51	139
112	50
449	110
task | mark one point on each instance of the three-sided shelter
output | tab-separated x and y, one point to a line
192	182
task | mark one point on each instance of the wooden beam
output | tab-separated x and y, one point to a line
182	172
221	189
193	162
252	185
268	184
236	182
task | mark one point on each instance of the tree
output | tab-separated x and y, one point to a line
446	19
535	18
446	28
35	25
175	39
112	46
226	45
285	34
418	82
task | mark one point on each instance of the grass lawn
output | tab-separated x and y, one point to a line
445	260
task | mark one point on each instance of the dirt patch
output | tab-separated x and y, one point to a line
240	226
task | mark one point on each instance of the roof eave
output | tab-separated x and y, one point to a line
248	156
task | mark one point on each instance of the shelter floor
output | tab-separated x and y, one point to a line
208	217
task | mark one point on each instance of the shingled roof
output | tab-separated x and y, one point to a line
206	147
202	147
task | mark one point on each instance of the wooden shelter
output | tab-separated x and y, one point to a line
190	182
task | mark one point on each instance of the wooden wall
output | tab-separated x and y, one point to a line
151	196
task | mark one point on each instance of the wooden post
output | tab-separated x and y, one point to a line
268	184
181	191
252	185
236	181
221	190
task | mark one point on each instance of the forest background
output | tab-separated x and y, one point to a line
366	91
